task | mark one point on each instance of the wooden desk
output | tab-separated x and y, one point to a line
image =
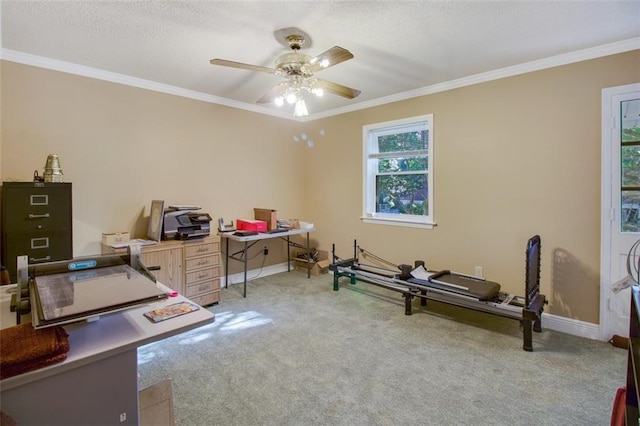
250	240
98	382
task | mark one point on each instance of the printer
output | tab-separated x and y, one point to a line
184	224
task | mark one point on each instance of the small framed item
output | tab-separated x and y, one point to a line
154	231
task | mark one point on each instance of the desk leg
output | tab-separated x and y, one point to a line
93	394
226	264
244	294
308	257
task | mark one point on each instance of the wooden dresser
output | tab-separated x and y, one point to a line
202	270
190	267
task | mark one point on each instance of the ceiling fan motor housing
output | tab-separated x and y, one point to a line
292	64
295	41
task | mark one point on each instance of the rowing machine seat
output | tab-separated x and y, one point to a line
461	284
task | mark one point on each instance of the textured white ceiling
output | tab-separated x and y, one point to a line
398	46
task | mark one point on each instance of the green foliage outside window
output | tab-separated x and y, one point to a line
631	134
401	183
630	175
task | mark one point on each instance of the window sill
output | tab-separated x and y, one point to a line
397	222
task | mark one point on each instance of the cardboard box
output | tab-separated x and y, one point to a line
112	238
320	266
268	215
251	225
156	405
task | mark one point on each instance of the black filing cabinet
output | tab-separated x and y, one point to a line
36	221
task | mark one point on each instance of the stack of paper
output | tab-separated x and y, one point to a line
136	241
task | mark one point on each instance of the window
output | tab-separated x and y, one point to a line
630	166
398	172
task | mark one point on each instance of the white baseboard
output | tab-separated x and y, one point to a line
238	278
571	326
549	321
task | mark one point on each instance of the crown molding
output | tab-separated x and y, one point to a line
541	64
553	61
71	68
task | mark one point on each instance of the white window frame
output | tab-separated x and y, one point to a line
369	168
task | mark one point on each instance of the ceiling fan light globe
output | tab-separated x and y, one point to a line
279	101
300	109
317	91
291	98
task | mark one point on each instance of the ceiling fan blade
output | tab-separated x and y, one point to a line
273	93
240	65
337	89
327	59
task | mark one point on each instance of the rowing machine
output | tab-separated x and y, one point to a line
451	287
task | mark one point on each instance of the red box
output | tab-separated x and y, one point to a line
251	225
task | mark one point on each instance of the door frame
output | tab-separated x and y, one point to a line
607	211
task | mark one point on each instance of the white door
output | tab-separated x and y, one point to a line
620	204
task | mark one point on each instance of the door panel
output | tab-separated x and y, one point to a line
621	204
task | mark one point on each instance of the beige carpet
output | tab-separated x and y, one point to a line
295	352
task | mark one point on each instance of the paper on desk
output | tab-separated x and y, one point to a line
137	241
421	273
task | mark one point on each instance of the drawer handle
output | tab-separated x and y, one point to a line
38	216
40	243
203	275
203	262
41	259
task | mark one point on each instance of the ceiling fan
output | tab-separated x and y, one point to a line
299	71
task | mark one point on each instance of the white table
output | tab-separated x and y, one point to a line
98	382
250	240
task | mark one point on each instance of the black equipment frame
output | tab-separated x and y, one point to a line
527	309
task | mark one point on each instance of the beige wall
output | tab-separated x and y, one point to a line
121	147
514	157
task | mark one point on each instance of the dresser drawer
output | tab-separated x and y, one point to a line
201	275
207	299
202	262
201	249
203	287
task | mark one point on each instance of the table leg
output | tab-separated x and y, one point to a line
244	294
226	264
308	258
288	254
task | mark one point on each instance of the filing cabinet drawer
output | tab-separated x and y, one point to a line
202	262
35	208
41	246
201	249
201	275
203	287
